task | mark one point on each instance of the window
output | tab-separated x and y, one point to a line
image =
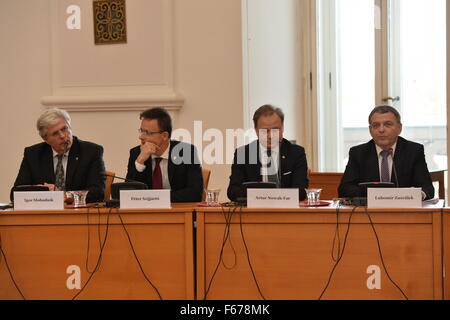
373	52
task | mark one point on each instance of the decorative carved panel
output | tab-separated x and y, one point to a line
110	21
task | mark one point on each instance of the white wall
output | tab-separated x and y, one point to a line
271	65
194	52
209	70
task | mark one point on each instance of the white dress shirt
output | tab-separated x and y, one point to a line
64	162
389	159
164	164
390	163
264	160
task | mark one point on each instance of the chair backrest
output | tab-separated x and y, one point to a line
327	181
109	181
206	173
439	177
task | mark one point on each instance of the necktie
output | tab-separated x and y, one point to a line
385	176
272	173
59	174
157	175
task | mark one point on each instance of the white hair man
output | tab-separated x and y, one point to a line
62	161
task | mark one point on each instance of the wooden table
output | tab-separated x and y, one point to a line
47	253
290	252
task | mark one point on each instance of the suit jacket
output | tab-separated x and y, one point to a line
84	167
184	170
246	167
410	167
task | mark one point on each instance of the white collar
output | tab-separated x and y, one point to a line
263	150
165	154
56	154
379	149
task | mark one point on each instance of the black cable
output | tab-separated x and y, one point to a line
99	256
341	255
9	270
228	238
231	211
336	235
248	255
137	259
88	240
381	255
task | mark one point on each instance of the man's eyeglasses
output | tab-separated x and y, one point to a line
63	130
148	133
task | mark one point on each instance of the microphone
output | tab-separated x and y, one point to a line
103	173
269	154
66	147
391	152
279	168
129	184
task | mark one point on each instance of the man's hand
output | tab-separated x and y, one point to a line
50	186
147	150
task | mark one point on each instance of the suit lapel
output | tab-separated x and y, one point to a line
398	158
284	158
255	168
170	163
48	172
373	165
72	162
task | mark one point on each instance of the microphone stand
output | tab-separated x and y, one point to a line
393	168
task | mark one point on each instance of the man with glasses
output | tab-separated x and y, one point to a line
271	158
386	158
162	163
62	162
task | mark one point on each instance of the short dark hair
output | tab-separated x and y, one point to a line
385	109
267	110
160	114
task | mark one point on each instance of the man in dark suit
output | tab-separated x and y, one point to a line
387	157
62	161
271	158
162	163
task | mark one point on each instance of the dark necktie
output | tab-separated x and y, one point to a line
59	174
385	177
272	174
157	175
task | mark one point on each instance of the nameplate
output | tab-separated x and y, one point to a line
39	200
272	198
145	199
394	198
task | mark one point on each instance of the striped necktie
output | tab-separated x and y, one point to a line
385	176
59	174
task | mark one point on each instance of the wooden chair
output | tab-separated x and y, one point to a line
109	181
439	177
327	181
206	173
